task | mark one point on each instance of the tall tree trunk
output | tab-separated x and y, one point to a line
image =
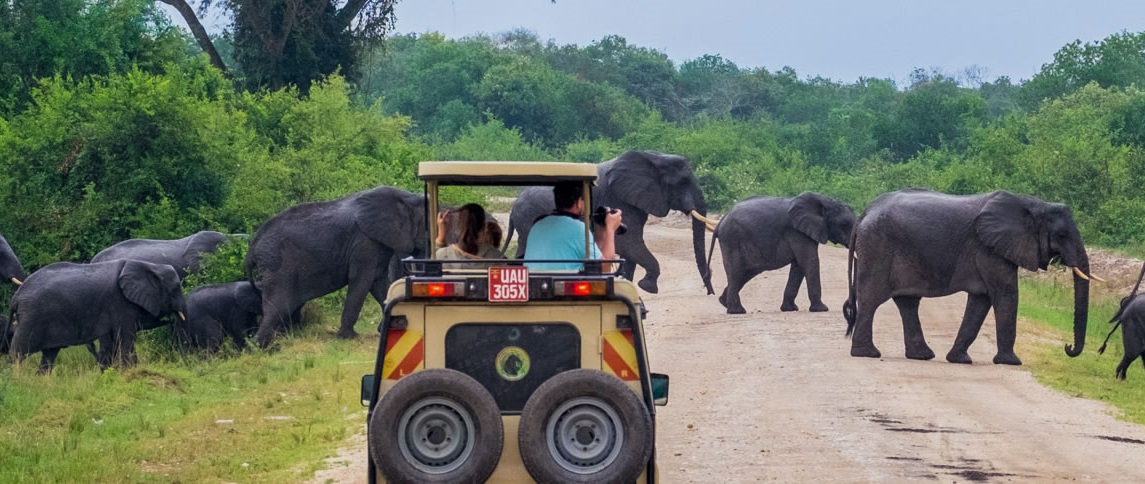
199	32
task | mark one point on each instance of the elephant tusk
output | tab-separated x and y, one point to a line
1083	276
17	282
707	221
711	228
181	316
855	254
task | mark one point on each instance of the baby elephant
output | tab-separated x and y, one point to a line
218	311
65	304
765	233
1131	316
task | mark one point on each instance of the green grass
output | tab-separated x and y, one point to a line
167	419
1046	310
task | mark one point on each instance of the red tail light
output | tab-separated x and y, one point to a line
438	289
580	288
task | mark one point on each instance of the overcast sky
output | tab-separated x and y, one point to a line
842	40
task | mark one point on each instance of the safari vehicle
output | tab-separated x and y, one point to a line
490	371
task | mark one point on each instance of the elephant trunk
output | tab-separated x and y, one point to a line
1080	308
698	230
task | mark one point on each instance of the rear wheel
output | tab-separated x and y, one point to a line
436	425
585	426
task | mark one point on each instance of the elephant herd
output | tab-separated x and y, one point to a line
907	245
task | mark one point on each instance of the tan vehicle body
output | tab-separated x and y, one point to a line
603	332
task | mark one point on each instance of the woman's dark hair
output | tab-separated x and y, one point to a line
494	230
473	220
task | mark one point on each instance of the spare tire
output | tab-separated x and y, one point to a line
585	426
436	425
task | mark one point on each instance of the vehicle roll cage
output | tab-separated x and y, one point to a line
437	174
434	267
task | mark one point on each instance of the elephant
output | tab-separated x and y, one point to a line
67	304
219	311
640	183
766	233
10	268
6	331
313	249
913	244
183	254
1131	317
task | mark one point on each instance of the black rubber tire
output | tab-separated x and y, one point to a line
451	394
544	463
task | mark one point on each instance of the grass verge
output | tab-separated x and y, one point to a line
1046	310
255	416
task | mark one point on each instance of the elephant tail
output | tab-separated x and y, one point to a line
1121	309
850	307
508	237
1116	317
711	251
252	276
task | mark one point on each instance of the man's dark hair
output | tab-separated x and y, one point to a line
565	194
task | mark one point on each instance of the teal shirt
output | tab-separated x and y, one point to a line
558	237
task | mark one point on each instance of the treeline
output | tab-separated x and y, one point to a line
113	125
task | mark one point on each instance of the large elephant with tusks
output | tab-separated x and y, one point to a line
913	244
640	183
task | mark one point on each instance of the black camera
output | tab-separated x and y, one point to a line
601	213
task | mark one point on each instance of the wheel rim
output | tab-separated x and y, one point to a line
435	435
584	435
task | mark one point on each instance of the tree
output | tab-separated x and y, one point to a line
281	42
1117	61
78	38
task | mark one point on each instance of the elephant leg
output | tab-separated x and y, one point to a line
977	306
916	347
736	281
862	340
47	360
277	315
1123	366
106	351
794	280
361	282
126	346
1006	321
810	267
637	253
724	298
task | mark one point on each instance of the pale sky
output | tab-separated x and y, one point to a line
838	39
842	39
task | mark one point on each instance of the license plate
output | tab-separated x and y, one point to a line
509	284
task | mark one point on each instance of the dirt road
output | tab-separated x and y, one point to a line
775	396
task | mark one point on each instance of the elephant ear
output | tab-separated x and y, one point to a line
636	179
387	217
1008	226
141	285
201	243
247	298
806	214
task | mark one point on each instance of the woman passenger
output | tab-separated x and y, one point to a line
478	237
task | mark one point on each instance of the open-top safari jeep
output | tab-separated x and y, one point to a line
510	375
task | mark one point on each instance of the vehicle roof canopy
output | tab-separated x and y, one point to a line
504	172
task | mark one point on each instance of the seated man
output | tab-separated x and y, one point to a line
560	235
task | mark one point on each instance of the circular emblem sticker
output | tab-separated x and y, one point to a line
512	363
